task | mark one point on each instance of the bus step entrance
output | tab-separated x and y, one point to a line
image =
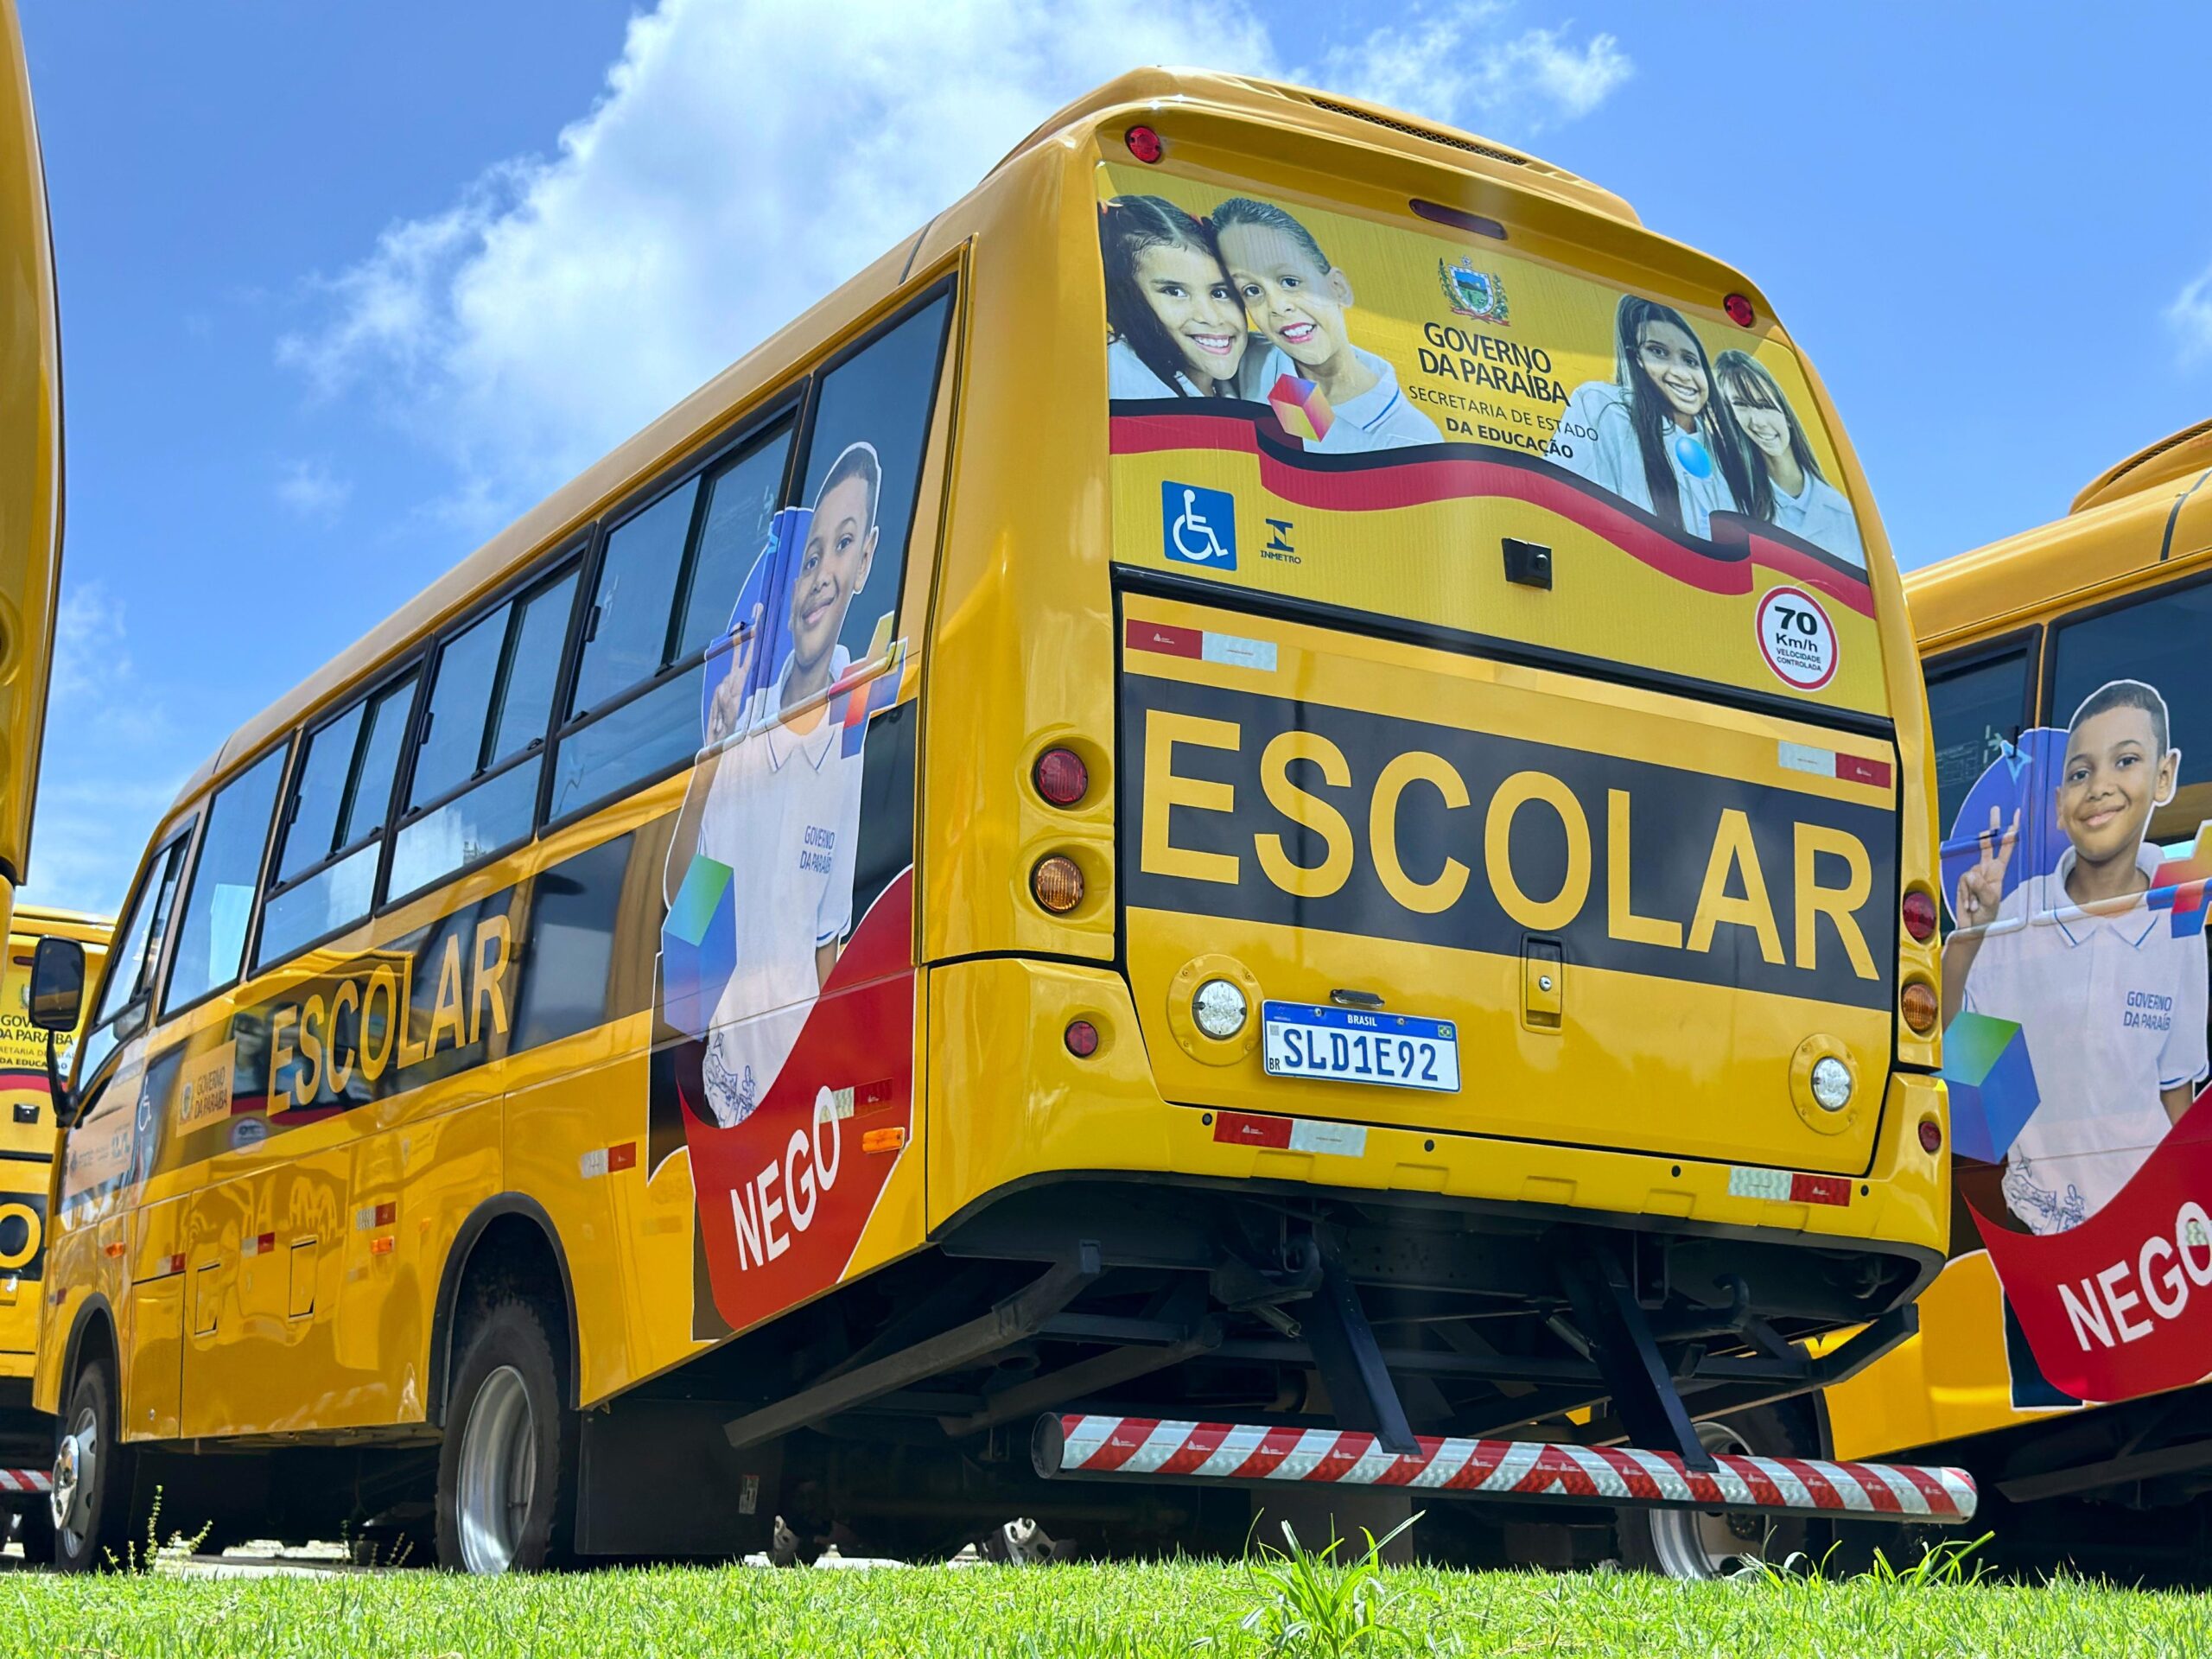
1080	1446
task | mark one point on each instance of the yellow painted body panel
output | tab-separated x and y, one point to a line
30	459
1014	629
28	1135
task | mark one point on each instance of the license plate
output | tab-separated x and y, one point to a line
1399	1051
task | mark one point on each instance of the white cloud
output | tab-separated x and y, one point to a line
2191	318
313	491
744	159
109	767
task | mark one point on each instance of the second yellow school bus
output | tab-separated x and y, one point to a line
2063	1349
1269	785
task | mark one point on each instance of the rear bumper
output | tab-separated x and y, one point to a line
1140	1448
1010	1106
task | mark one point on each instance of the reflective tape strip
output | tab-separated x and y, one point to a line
25	1480
1630	1476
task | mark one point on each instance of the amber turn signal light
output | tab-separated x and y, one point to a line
1918	1002
1058	883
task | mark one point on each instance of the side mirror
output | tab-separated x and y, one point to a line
57	985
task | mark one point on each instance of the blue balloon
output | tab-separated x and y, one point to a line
1691	454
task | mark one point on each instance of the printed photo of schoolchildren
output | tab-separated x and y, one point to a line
1787	489
1298	301
782	806
1175	326
2110	996
1661	440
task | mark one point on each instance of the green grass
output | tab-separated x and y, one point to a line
1080	1611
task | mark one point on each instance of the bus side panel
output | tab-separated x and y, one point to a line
1949	1382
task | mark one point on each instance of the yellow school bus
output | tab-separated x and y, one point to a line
1252	815
2061	1349
30	456
28	1134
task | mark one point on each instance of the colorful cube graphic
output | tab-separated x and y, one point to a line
2178	885
698	946
1302	407
1993	1085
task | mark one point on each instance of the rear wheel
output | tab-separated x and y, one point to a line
93	1473
1714	1543
506	1471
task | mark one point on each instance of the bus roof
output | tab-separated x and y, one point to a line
724	400
2187	451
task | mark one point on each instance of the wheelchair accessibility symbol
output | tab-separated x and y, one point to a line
1199	525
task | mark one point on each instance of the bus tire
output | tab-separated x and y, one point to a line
93	1476
1711	1543
507	1468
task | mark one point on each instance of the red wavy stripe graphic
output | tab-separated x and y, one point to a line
1739	543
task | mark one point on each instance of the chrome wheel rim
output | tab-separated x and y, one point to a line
1709	1543
75	1462
498	1473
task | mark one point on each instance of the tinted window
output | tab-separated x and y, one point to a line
648	735
371	796
873	407
533	663
211	943
318	797
1973	712
452	749
2160	640
139	943
474	825
493	691
625	637
740	502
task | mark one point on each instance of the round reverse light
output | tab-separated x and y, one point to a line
1218	1007
1831	1084
1917	1002
1919	914
1061	776
1058	883
1145	145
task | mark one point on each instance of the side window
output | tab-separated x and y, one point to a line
137	951
1973	712
474	789
865	448
218	905
667	583
326	870
2157	641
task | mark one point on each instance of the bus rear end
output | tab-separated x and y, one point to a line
1490	870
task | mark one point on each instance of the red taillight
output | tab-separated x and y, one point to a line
1145	145
1739	310
1919	914
1061	776
1931	1136
1082	1039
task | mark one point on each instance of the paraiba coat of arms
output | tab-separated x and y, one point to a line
1471	293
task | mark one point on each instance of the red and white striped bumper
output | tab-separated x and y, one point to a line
33	1481
1540	1470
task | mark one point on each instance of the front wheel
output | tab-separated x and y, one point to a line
506	1471
90	1515
1714	1543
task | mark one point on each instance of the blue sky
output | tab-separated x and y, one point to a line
346	287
